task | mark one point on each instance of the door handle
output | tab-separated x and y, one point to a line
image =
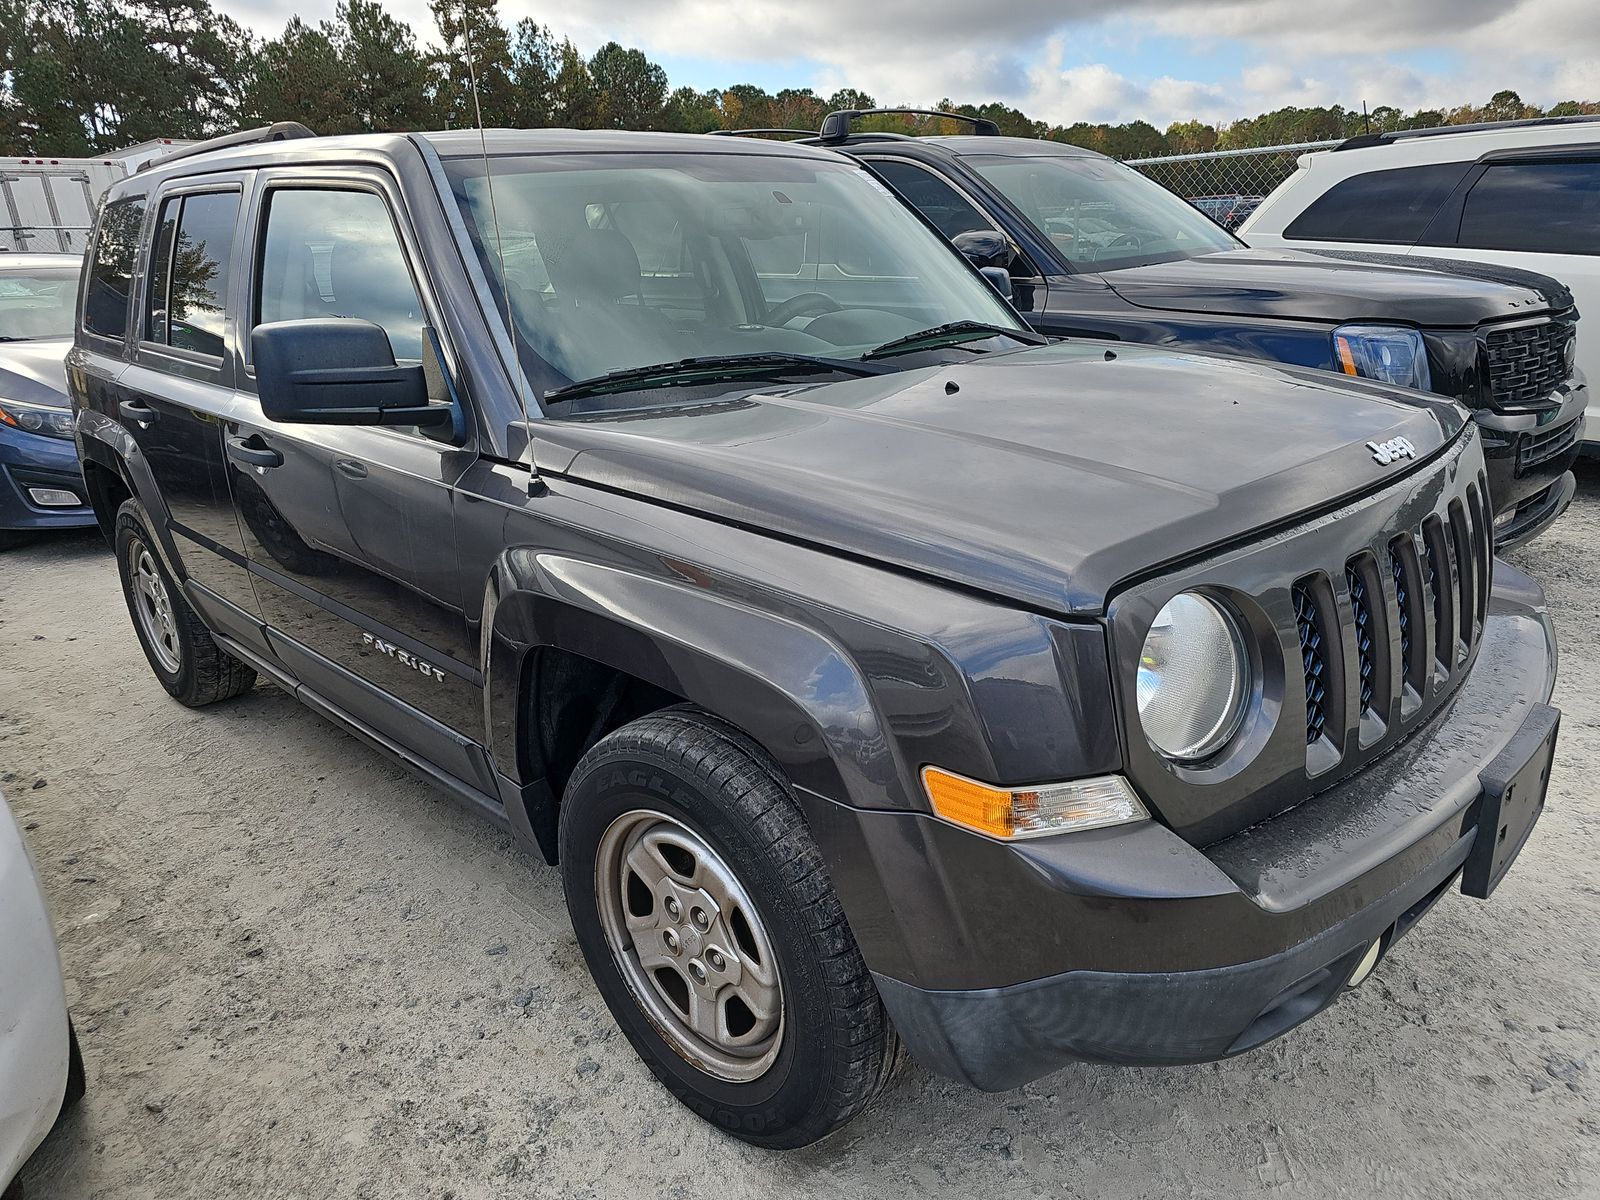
137	410
350	467
251	452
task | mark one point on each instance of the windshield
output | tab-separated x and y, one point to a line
37	304
1101	215
616	261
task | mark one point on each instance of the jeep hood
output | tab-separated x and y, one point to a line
1290	285
35	372
1046	476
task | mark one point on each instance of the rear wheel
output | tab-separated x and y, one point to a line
189	664
708	921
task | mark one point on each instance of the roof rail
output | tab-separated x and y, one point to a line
810	133
280	131
1362	140
836	125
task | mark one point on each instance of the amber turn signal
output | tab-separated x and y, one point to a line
1009	814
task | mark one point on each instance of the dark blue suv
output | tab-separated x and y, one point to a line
41	486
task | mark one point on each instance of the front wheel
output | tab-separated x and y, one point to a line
709	924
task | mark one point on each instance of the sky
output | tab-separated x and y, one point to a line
1086	60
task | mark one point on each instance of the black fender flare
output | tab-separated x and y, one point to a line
108	445
790	688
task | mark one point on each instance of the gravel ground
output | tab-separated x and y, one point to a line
299	972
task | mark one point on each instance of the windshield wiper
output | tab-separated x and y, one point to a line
709	369
949	334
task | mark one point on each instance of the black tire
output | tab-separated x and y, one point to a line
199	671
836	1048
77	1077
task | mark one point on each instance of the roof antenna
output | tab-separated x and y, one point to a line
518	378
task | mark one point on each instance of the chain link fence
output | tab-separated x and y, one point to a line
1227	185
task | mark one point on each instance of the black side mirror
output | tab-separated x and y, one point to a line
338	371
985	248
999	278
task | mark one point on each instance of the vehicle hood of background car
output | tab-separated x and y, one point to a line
35	372
1047	476
1292	285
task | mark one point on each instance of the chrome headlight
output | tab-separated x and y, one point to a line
1388	353
1194	676
37	418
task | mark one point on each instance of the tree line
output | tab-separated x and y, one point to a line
84	77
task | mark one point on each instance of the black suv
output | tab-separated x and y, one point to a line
692	510
1095	249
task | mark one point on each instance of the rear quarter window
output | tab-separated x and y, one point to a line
1538	207
1392	207
116	247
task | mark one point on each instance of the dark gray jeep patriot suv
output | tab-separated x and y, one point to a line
874	673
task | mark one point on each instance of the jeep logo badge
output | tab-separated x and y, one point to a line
1385	453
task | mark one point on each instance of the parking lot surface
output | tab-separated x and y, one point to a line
297	971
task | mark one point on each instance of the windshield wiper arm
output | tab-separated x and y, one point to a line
709	368
950	333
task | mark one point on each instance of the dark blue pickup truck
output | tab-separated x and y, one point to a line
1094	249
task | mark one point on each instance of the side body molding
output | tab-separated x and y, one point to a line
788	686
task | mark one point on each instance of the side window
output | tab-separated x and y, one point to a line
186	302
335	253
160	273
105	304
1392	207
933	198
1545	208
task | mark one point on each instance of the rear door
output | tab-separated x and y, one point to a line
350	530
178	387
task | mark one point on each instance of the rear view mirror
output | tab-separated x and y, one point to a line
338	371
985	248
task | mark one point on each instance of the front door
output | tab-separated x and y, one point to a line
350	530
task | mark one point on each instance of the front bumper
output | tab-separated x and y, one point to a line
1000	963
28	460
1528	458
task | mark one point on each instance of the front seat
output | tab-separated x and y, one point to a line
599	293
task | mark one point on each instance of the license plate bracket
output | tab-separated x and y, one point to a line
1514	787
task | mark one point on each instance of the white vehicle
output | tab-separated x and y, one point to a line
48	204
1520	194
41	1072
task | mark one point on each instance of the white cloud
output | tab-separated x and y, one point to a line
1025	52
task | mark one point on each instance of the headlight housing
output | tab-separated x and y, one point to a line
37	418
1194	676
1388	353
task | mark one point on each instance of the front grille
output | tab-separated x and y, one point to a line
1309	617
1397	568
1439	571
1361	620
1545	444
1528	363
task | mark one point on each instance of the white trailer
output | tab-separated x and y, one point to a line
48	204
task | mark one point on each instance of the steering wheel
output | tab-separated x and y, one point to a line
1126	239
806	304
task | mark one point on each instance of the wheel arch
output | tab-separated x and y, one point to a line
550	619
114	470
